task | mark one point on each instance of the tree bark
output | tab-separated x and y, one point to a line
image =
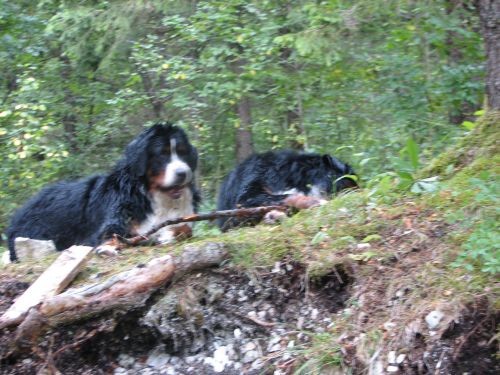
244	141
69	118
244	138
489	15
295	112
157	103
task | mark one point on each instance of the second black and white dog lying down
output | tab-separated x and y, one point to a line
283	177
153	182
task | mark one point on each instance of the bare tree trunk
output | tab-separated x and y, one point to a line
244	142
69	118
150	89
295	113
295	120
10	86
489	15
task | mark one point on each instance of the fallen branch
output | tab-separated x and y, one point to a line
239	212
54	279
122	292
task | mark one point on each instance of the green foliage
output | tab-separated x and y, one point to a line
404	177
321	356
355	79
482	249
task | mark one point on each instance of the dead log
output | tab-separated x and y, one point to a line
51	282
239	212
120	293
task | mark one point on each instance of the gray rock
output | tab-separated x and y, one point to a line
400	358
248	347
392	369
314	314
274	348
125	360
257	364
237	333
157	359
220	359
175	361
433	318
34	249
250	356
391	357
191	359
170	370
262	315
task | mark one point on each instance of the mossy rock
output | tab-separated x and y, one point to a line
483	141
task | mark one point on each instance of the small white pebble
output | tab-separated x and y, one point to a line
433	318
314	314
391	357
363	245
237	333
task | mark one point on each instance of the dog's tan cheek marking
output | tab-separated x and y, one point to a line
155	180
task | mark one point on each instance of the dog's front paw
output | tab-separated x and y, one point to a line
301	201
172	234
274	217
106	250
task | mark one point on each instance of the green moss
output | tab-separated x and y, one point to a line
481	142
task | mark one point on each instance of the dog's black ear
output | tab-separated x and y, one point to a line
341	169
335	164
136	153
194	158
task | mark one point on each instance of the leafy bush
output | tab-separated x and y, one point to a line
482	249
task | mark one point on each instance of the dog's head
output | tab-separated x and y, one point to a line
163	156
344	175
323	174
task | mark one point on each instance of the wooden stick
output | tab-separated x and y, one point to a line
54	279
239	212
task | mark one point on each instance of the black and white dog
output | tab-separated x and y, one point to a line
284	177
153	182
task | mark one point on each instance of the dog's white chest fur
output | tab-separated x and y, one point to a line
166	208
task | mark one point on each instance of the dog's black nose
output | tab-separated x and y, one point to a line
180	174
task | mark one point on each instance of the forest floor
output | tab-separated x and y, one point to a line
377	281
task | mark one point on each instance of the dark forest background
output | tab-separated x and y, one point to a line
381	84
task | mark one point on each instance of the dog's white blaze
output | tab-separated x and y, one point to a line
166	208
316	192
174	166
287	192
